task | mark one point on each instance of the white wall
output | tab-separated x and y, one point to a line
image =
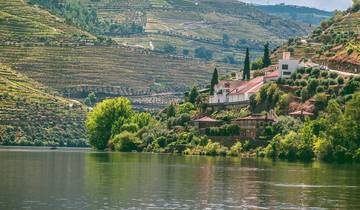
293	65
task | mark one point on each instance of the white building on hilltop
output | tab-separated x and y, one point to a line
287	66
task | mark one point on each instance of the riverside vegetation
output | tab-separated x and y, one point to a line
333	135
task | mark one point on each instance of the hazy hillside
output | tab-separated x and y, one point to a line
180	27
335	43
30	114
297	13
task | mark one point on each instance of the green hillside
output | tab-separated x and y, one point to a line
30	114
300	14
185	25
335	43
20	22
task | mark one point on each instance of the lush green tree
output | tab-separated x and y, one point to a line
214	81
246	71
186	108
103	117
266	58
193	95
125	142
321	101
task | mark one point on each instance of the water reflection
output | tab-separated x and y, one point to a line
85	180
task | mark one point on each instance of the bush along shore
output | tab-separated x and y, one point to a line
332	135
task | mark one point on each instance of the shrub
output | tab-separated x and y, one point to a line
213	149
320	89
236	149
340	80
125	142
333	75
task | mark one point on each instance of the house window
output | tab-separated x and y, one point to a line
285	67
286	73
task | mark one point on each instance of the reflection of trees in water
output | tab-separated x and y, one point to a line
127	180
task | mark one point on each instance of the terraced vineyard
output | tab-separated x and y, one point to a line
20	22
336	43
188	24
32	115
107	70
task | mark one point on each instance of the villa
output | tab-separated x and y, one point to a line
236	93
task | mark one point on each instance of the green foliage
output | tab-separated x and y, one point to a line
203	53
86	18
214	148
171	111
266	58
246	71
193	95
103	120
168	48
236	149
186	108
257	64
125	142
214	81
333	136
267	98
90	100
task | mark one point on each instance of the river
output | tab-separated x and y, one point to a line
82	179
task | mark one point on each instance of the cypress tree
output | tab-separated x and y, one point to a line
246	72
266	58
214	81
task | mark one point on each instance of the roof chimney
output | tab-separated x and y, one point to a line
286	55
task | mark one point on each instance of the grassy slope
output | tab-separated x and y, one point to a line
30	114
21	22
338	56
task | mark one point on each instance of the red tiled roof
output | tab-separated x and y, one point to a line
256	117
301	113
249	86
206	119
232	83
272	74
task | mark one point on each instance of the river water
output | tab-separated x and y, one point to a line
81	179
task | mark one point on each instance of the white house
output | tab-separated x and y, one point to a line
235	91
287	66
222	89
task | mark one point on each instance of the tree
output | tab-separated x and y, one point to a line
214	81
193	95
102	119
246	72
90	99
168	48
203	53
266	59
125	142
171	111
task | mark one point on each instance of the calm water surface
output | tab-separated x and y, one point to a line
43	179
